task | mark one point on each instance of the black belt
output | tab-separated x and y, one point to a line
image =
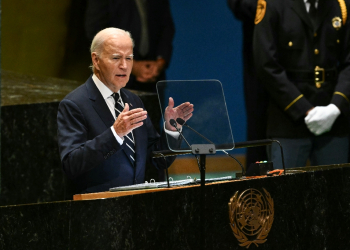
317	76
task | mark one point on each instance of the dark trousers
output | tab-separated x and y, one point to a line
320	150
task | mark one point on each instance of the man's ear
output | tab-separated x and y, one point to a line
95	59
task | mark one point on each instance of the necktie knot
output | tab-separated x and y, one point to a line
313	12
312	2
116	97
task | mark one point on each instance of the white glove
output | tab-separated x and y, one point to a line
321	118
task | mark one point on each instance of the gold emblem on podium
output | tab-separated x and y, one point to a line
251	216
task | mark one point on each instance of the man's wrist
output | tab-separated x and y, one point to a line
117	137
174	134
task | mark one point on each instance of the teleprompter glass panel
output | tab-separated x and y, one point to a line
210	122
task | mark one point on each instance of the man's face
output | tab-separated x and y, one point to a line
113	66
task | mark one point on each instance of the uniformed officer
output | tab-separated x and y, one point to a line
302	55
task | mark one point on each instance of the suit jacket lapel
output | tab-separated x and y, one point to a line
98	103
299	7
127	99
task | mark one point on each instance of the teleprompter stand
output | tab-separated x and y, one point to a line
203	150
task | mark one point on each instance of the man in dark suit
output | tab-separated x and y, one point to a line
105	140
302	56
150	22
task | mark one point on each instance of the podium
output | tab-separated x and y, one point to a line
310	211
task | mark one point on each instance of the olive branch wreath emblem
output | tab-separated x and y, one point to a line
251	216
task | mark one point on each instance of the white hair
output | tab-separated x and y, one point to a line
102	36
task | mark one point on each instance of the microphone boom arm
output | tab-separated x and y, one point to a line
246	144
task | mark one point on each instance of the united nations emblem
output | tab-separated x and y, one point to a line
336	22
251	216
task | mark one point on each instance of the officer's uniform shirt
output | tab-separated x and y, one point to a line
287	48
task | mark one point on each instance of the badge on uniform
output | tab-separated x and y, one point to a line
260	11
336	22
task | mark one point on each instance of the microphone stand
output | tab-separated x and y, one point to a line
198	149
246	144
183	123
202	150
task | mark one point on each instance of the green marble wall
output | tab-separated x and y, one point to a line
34	36
30	163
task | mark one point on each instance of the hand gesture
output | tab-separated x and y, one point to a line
183	111
128	120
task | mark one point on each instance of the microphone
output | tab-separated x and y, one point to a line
182	122
174	124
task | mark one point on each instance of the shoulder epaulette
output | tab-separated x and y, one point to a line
260	11
343	10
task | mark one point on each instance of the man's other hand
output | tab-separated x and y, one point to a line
183	111
128	120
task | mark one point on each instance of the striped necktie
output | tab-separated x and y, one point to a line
129	142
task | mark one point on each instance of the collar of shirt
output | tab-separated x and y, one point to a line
307	4
106	94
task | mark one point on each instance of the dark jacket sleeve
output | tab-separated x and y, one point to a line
342	90
79	154
159	145
271	73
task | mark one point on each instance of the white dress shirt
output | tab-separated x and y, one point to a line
307	4
107	96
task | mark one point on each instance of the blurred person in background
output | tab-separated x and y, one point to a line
151	25
256	98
